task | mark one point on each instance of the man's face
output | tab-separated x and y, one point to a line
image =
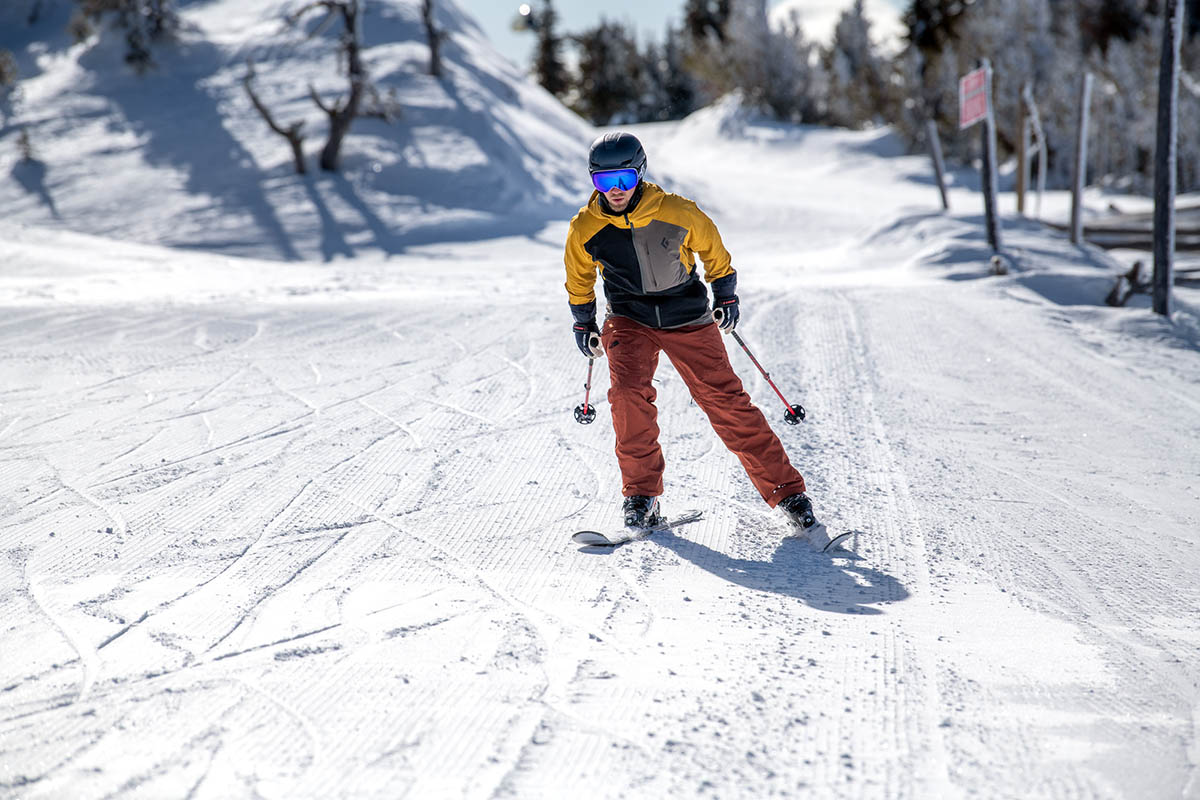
618	198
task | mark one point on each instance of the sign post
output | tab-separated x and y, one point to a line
939	165
975	105
1165	159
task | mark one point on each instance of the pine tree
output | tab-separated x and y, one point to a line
548	63
857	86
932	24
705	19
681	94
609	73
1101	21
143	22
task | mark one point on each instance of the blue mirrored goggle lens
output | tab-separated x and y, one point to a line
614	179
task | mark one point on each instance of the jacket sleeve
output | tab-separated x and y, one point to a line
705	241
581	271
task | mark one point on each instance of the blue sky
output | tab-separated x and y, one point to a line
651	16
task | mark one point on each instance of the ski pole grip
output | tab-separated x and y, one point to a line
718	316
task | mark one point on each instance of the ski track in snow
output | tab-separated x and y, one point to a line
498	659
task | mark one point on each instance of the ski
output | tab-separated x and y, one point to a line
626	535
818	536
836	542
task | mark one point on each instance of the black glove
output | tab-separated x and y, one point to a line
587	335
726	301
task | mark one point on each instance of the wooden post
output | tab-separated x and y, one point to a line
1022	153
939	165
989	165
1165	159
1085	98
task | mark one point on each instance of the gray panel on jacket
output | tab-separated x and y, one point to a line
658	247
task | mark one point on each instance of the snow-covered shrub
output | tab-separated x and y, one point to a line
772	69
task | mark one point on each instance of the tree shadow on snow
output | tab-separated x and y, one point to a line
31	175
194	138
333	238
836	582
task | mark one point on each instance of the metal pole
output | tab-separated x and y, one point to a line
795	413
1085	98
989	164
939	165
1165	159
585	413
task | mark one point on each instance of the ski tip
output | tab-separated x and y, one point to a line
836	542
591	538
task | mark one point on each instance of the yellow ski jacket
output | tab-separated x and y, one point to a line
646	257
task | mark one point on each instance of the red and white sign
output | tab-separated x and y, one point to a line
972	98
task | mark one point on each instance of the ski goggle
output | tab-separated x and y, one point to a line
611	179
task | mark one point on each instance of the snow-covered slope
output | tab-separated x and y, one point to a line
281	530
180	157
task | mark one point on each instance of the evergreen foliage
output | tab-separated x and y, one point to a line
933	24
705	19
142	22
857	74
610	74
680	93
548	64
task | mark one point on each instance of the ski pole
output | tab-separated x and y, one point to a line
585	414
795	413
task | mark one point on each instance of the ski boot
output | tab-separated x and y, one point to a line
641	512
798	509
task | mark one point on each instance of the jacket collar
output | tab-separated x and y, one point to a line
641	210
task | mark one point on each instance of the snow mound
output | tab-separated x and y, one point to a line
1040	265
179	156
733	119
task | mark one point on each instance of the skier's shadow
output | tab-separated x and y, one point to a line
837	582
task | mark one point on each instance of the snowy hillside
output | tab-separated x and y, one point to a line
300	529
179	157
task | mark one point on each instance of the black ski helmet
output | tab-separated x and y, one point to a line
619	150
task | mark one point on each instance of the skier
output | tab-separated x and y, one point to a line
643	241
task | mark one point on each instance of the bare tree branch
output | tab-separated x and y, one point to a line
294	133
316	98
343	112
299	13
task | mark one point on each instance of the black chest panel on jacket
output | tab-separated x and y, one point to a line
644	278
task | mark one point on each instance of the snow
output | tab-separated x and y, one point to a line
301	528
480	152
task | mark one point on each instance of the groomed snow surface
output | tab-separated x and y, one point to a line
301	529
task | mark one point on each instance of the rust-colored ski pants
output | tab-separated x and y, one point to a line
698	354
